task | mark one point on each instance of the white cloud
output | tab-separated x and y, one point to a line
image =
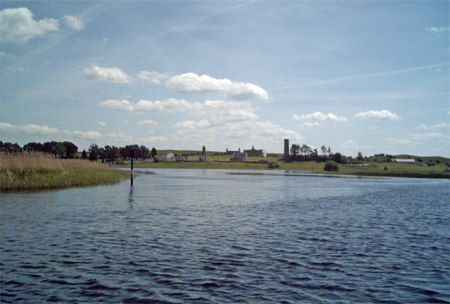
319	116
437	30
383	115
154	77
432	127
97	135
101	123
192	83
425	136
114	75
309	125
156	139
148	122
88	134
18	25
105	40
192	124
217	111
258	131
4	55
406	142
30	129
168	105
74	23
119	105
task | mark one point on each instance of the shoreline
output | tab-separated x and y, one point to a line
308	168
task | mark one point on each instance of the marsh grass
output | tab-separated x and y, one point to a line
33	171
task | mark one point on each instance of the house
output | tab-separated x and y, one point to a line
405	161
256	153
165	156
232	152
239	157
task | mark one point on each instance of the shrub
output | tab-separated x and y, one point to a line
273	164
331	166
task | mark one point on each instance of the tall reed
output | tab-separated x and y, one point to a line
32	170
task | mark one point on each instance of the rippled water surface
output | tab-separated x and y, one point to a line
196	236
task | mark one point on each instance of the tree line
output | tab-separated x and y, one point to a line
306	153
68	149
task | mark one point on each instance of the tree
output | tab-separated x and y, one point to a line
144	152
93	155
331	166
94	147
111	153
34	147
329	151
294	150
324	150
337	157
84	154
71	149
56	148
10	147
154	152
360	156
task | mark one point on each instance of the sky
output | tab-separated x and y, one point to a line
355	76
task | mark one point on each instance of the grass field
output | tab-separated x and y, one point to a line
33	171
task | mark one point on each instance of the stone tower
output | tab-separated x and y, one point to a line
286	148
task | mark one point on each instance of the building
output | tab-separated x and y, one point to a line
232	152
405	161
286	148
165	156
239	157
256	153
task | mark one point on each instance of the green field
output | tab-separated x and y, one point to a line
369	167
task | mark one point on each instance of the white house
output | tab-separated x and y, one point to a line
405	161
165	156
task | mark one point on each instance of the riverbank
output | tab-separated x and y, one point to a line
37	171
368	169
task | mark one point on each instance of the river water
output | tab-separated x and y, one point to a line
207	236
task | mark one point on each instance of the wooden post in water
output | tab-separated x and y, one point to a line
132	157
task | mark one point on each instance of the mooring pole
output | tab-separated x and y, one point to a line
132	156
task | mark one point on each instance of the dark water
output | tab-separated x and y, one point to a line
194	236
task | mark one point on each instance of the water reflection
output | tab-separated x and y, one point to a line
130	197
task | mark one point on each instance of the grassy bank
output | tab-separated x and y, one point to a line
366	169
33	171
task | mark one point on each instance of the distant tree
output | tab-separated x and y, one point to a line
111	153
359	156
153	152
33	146
323	149
329	151
315	153
84	154
144	152
10	147
55	148
71	149
295	150
337	157
93	155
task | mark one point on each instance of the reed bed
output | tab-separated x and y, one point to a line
34	171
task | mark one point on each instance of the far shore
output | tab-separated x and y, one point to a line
309	167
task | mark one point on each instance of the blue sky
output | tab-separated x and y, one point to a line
369	76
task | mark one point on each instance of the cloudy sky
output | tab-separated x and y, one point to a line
369	76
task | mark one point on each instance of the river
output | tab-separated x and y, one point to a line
207	236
